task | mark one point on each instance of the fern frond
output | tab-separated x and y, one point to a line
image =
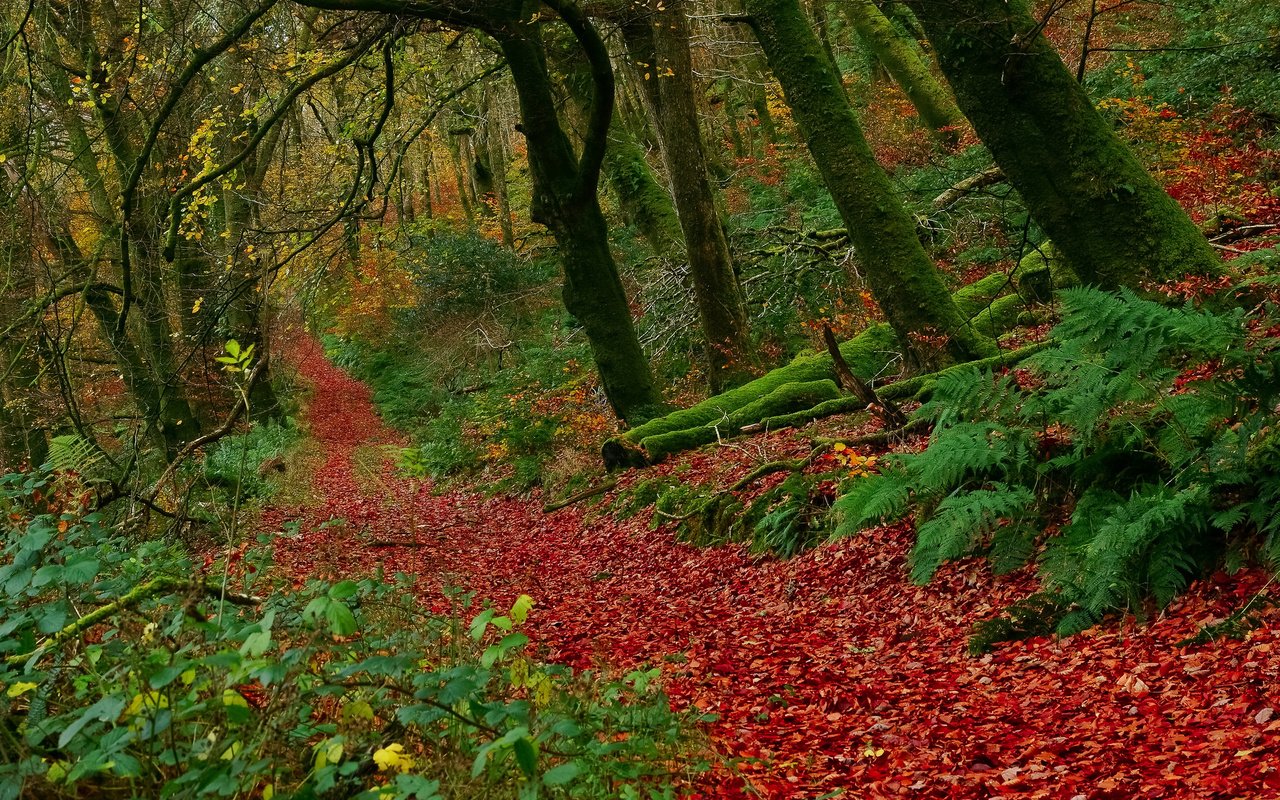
970	450
1131	544
72	453
960	523
874	499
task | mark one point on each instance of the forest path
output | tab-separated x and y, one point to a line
829	671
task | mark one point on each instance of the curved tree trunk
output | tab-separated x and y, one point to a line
565	200
903	280
1083	186
661	41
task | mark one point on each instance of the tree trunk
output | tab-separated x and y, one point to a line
565	200
908	67
903	280
495	149
663	42
1082	185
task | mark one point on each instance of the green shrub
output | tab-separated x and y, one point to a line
234	463
125	670
1155	427
462	273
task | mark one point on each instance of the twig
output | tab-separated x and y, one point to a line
582	495
889	413
134	596
880	437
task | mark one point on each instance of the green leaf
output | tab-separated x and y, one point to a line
108	708
82	570
520	609
562	774
480	623
257	643
341	621
526	756
343	590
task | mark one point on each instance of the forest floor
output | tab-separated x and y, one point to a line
830	672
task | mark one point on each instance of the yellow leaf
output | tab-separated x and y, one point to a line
188	677
542	692
195	309
393	757
230	697
268	791
520	609
20	688
519	672
149	700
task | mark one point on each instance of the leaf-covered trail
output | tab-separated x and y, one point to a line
829	671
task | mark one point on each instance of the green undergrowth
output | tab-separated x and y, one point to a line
249	463
127	671
783	520
1137	453
529	422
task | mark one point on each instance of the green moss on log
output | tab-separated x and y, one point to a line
786	398
867	354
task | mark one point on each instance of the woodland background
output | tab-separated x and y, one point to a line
638	399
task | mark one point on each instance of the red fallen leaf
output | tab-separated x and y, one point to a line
1133	685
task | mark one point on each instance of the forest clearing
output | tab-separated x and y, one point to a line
643	399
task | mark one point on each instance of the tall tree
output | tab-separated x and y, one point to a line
1082	185
565	199
903	280
565	183
658	41
909	68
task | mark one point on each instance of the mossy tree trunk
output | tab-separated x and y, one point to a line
565	200
642	199
908	67
1082	185
659	43
903	280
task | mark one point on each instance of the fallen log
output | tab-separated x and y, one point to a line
810	377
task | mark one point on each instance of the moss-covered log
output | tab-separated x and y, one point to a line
787	398
869	354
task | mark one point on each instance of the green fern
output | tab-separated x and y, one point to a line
72	453
1163	440
872	500
961	522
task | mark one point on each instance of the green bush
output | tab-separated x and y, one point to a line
126	670
462	273
234	462
1154	427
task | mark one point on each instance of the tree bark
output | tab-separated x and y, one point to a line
662	41
908	68
903	280
1082	185
565	200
